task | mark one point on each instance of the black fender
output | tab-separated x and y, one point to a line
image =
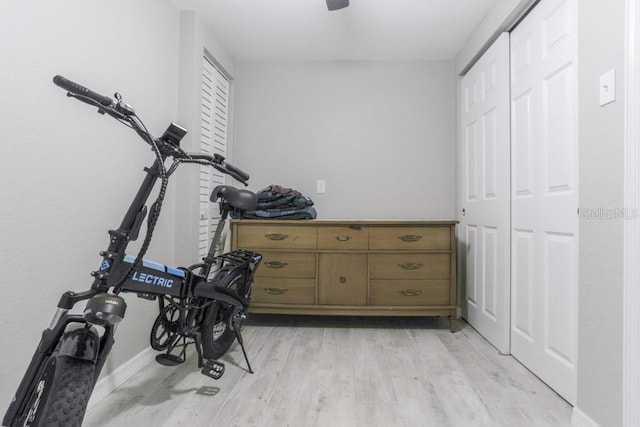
80	342
72	337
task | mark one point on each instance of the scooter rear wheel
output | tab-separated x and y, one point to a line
217	330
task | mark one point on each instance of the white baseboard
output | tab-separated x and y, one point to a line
580	419
115	379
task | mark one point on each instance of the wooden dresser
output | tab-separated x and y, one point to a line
340	267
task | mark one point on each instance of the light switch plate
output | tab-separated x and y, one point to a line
608	87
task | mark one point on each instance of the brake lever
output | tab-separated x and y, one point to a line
122	107
102	109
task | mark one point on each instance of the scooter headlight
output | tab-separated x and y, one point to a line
105	309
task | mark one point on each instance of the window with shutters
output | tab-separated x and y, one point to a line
213	140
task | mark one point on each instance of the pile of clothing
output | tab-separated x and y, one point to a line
277	202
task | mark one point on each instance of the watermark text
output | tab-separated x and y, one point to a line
608	214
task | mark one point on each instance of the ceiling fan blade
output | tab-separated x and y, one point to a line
337	4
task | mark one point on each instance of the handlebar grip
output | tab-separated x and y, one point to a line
237	171
217	161
201	156
225	170
73	87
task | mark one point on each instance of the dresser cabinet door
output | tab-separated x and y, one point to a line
342	279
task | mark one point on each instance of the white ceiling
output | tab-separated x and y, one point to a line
302	30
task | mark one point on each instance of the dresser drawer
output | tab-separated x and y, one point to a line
409	238
409	292
347	238
410	266
277	237
283	291
287	265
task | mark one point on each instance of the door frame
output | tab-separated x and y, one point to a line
631	285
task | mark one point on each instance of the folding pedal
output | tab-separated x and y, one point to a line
169	359
213	368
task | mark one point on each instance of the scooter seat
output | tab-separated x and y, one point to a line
244	200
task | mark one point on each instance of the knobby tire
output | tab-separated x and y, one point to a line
61	393
217	332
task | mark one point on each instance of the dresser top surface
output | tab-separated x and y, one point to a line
367	222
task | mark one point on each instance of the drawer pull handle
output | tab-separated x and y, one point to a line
410	292
343	279
275	264
275	291
343	238
410	237
410	266
276	236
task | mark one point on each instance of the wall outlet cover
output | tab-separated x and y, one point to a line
608	87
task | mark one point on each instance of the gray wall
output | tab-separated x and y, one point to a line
379	133
601	131
67	172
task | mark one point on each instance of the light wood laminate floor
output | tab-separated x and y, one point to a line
342	371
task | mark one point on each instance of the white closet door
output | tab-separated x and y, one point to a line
544	161
213	140
485	224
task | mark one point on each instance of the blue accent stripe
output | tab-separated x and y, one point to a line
156	266
153	265
175	272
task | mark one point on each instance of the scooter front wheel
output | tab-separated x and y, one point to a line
61	393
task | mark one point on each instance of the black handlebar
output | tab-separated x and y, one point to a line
123	112
219	163
77	89
237	171
225	169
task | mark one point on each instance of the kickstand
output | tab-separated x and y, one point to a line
239	337
198	346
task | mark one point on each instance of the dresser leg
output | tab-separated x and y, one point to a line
453	323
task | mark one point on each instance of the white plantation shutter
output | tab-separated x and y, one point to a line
213	140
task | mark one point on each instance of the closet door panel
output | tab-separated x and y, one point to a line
544	217
484	225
